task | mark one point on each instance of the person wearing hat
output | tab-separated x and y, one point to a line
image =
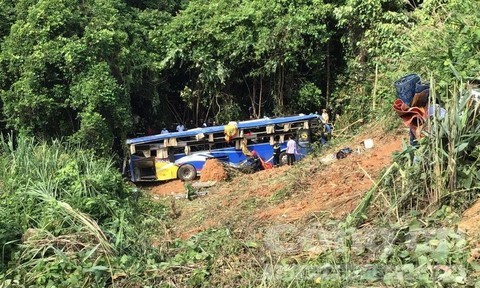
326	126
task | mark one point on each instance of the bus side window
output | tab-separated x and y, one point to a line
139	153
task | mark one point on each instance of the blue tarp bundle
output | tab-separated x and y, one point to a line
406	87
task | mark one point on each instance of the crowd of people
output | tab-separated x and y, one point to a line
181	126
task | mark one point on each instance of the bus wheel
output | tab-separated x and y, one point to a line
187	172
283	159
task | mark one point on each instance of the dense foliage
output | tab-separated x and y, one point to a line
68	218
97	71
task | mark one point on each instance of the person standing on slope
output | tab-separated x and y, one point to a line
277	149
326	122
291	150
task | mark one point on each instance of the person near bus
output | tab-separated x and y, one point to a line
180	127
291	150
326	121
164	131
277	149
327	130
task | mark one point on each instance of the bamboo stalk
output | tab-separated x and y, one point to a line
374	97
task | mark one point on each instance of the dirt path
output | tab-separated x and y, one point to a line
286	194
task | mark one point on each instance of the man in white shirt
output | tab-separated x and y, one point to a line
164	131
291	150
180	127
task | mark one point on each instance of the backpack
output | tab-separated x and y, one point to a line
343	153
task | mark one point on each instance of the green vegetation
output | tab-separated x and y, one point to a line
93	73
68	218
96	72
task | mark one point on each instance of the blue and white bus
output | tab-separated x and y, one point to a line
182	155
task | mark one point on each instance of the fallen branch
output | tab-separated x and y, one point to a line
344	129
358	215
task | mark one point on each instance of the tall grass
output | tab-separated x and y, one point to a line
66	217
443	169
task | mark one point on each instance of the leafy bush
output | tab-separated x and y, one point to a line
450	28
309	98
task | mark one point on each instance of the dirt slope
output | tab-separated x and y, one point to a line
286	194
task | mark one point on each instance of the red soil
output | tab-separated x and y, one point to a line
470	220
169	188
213	171
337	188
289	194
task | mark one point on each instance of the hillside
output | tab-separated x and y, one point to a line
287	194
287	225
80	79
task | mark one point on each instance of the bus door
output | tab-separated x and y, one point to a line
304	145
165	168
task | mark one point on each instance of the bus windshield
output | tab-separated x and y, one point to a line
182	155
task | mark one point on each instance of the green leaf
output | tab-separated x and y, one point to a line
90	252
97	268
251	244
440	254
461	147
423	260
408	268
422	249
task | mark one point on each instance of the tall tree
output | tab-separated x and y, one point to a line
255	52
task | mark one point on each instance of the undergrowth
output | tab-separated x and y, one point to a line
422	193
444	168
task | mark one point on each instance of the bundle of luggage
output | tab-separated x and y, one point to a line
411	103
412	100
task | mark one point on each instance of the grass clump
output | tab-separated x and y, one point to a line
68	219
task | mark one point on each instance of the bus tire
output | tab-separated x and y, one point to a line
283	159
187	172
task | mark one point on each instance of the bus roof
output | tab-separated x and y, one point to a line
249	124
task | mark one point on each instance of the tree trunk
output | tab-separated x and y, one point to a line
260	98
197	109
254	93
375	87
327	92
280	81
